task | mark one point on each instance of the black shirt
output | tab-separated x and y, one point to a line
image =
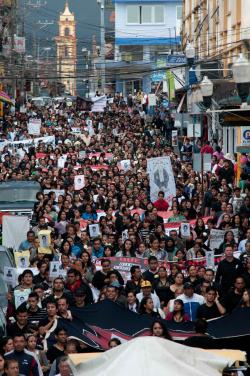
202	341
13	329
54	353
207	313
231	300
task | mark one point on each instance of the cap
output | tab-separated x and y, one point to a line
115	284
80	292
188	285
146	284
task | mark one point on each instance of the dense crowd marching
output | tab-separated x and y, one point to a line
131	226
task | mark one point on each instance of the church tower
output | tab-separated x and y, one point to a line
66	50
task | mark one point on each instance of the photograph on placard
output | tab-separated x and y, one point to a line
44	241
94	230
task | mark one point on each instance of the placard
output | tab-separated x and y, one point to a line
174	138
23	262
79	182
21	254
45	242
125	165
21	296
61	161
34	127
210	259
54	269
9	276
185	230
151	100
94	230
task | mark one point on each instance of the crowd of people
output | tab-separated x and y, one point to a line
175	286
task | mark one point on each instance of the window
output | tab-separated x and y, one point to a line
66	32
145	14
133	14
179	12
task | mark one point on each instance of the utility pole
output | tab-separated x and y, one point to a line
103	68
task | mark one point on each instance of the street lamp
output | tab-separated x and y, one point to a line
207	87
241	73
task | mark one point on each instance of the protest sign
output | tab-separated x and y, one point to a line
161	178
210	259
54	269
21	296
79	182
61	161
185	229
21	254
216	238
174	138
34	127
9	276
125	165
94	230
45	242
58	192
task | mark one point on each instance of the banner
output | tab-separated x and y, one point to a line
27	143
15	228
34	126
217	237
161	178
97	323
99	104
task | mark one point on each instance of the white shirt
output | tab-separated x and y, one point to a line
153	296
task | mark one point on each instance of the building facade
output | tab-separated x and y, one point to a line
217	28
144	31
66	43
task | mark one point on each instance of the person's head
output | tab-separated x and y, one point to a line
1	364
159	330
131	297
27	278
30	236
211	294
64	367
153	263
240	284
188	289
161	195
72	346
246	297
106	265
200	326
11	367
80	296
19	342
114	342
31	342
61	335
135	272
97	244
22	316
178	306
209	275
112	293
228	252
146	305
33	300
146	288
71	276
51	308
58	285
7	344
63	305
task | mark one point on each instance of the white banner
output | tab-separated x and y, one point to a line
15	229
245	136
34	126
161	178
99	104
27	143
217	237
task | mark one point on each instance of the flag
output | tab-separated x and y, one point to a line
96	324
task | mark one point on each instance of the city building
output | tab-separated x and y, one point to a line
145	30
217	27
66	43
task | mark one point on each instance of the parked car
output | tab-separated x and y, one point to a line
18	197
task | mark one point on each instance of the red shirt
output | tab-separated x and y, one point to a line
161	205
207	149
